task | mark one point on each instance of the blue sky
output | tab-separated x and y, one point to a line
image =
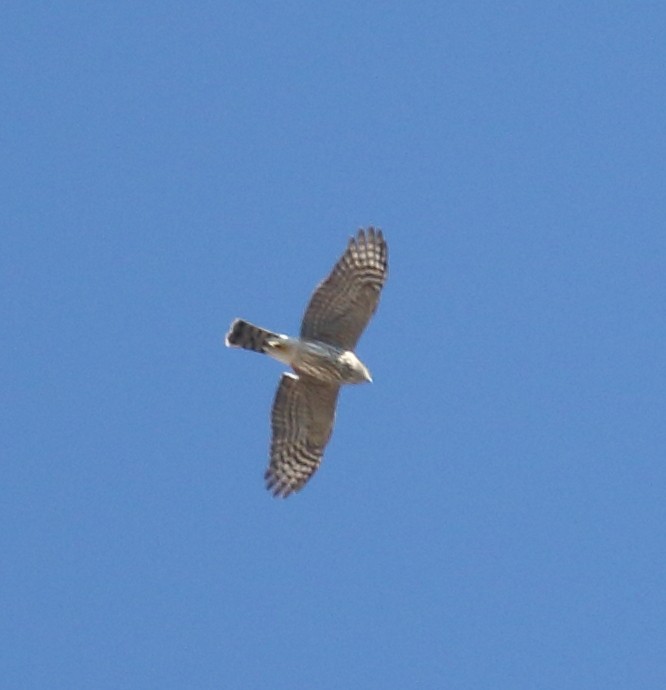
491	511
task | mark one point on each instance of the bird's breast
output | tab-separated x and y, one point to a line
321	361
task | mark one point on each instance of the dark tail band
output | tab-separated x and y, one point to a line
248	336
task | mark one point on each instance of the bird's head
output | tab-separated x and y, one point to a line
357	371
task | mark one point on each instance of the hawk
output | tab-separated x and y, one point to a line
322	358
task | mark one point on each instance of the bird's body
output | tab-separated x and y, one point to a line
322	359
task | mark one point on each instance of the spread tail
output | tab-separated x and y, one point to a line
249	337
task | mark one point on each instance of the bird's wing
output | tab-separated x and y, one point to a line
343	303
302	421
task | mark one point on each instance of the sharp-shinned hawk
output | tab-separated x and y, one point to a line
322	358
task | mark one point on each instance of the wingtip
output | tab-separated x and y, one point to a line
276	487
372	232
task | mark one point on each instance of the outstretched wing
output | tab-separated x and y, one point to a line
342	305
302	421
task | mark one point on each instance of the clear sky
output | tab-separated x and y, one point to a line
491	511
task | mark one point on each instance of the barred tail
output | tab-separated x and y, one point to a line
249	337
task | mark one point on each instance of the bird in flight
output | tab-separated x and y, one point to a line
322	358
